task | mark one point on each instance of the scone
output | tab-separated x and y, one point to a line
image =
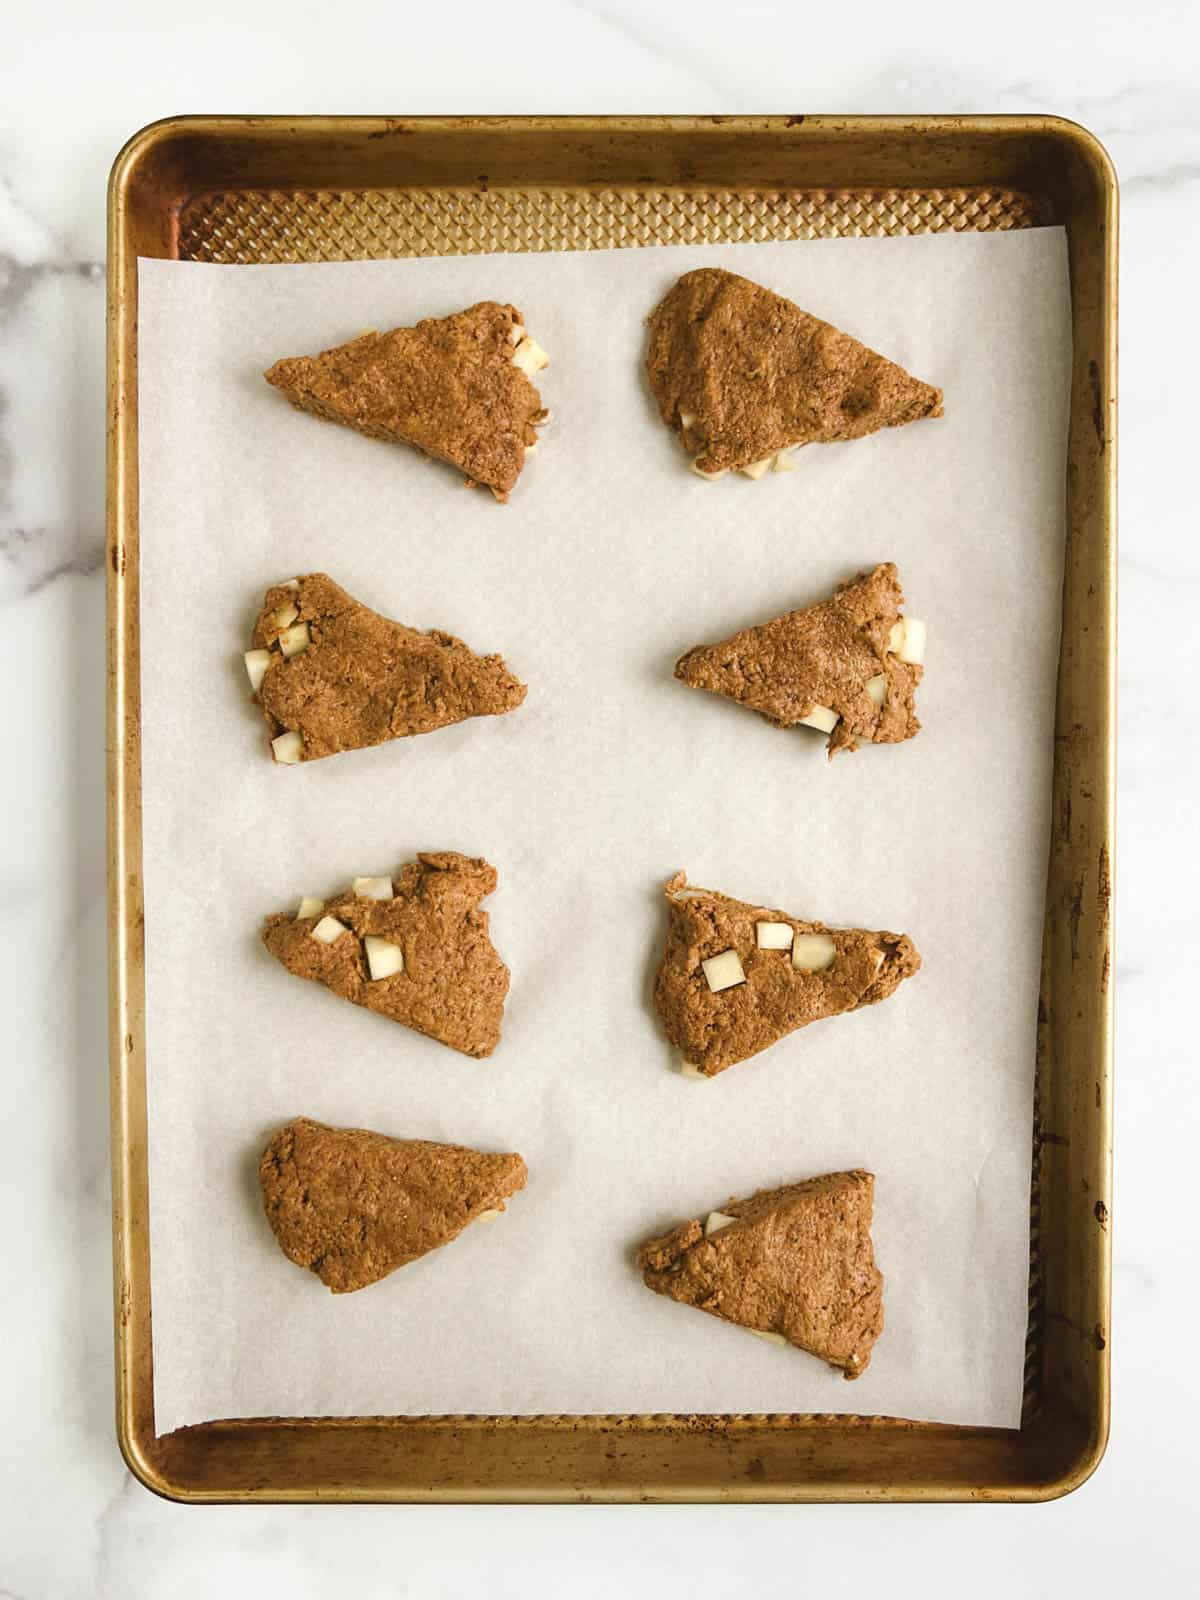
416	950
743	375
332	675
456	388
849	666
737	977
352	1205
794	1264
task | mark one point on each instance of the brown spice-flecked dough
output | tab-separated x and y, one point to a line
755	375
453	985
364	679
713	1031
824	655
447	386
352	1205
797	1262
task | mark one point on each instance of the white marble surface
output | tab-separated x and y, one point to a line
74	81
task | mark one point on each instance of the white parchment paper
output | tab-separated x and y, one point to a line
610	560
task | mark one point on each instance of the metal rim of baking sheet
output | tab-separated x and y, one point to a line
253	189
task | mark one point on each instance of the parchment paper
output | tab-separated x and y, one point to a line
610	560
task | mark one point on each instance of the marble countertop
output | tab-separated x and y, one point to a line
76	81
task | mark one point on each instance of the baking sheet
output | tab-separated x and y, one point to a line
609	561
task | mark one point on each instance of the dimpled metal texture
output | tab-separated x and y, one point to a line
255	226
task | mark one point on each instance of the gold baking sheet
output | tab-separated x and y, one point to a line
318	189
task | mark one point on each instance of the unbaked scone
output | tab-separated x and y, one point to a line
332	675
794	1264
456	388
736	977
848	666
743	375
416	950
352	1205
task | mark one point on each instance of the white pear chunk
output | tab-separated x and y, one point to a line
771	1338
723	971
384	959
773	935
686	419
328	930
813	952
716	1220
877	688
489	1215
285	616
821	718
295	641
310	906
757	469
530	356
907	640
294	583
517	332
257	662
689	1069
531	449
286	748
912	649
784	462
373	888
709	477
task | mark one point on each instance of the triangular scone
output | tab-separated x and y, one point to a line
736	977
454	387
352	1206
332	675
416	950
849	666
793	1263
742	374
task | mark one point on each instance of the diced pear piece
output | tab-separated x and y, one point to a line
294	641
907	640
384	959
310	906
257	662
723	971
286	748
913	648
530	356
328	930
877	688
715	1221
373	888
821	718
773	935
813	952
